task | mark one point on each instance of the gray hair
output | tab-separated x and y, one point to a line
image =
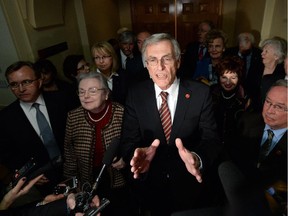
94	75
155	38
280	82
244	35
280	47
127	37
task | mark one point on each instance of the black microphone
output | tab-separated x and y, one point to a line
244	196
108	157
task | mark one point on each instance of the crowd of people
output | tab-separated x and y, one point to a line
176	117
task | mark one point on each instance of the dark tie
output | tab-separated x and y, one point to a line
245	72
165	116
201	52
266	146
46	133
127	63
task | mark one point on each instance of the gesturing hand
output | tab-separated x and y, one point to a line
191	160
142	158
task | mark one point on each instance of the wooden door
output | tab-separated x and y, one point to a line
179	18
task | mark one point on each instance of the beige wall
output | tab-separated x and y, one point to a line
102	19
228	19
29	40
249	17
275	20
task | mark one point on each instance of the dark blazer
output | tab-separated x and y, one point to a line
119	86
18	139
274	167
252	82
168	180
268	79
135	70
190	58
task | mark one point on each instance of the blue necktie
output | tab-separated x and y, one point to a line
46	133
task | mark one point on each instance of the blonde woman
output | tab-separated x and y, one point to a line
106	62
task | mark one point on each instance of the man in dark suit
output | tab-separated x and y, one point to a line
20	136
130	58
196	51
253	66
261	150
170	149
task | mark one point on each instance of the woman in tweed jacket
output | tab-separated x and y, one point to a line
89	131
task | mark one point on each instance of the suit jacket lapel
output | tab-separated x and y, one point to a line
182	105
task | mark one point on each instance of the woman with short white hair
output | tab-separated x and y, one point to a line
273	55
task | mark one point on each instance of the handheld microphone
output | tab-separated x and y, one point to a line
109	155
84	198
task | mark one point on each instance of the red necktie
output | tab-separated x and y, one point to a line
165	116
201	53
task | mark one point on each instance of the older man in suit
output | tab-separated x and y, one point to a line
261	148
21	134
169	132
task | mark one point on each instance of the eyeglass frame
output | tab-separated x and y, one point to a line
82	92
101	58
276	107
166	60
24	83
83	66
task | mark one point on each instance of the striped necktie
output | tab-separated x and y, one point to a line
165	116
265	148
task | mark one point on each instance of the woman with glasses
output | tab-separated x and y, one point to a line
90	129
74	65
216	41
106	62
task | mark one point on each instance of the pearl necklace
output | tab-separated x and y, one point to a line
97	120
227	97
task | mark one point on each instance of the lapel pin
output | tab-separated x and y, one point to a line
187	96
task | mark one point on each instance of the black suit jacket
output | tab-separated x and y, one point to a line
135	70
168	180
274	167
252	82
18	139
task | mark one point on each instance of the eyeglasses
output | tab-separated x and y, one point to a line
101	58
83	66
90	91
276	107
24	83
166	60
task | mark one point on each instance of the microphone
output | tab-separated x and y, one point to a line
244	196
108	157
